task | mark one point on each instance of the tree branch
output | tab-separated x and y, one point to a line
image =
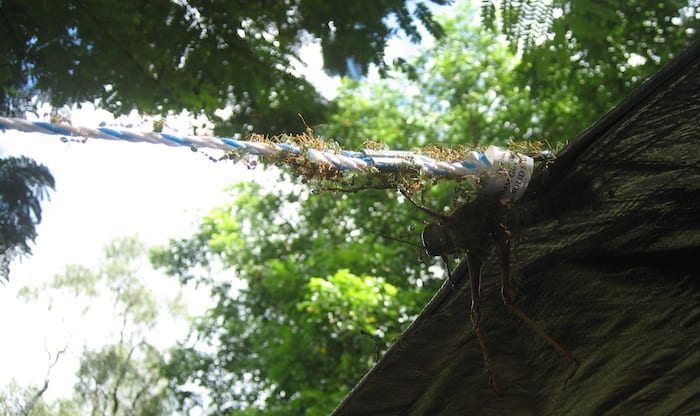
40	392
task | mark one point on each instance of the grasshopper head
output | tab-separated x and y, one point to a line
436	240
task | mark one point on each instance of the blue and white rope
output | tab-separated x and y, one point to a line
495	170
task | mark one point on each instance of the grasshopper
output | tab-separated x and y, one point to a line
469	230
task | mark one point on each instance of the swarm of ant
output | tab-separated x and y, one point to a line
327	177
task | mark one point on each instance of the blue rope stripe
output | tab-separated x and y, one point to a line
177	140
115	134
492	168
234	144
52	128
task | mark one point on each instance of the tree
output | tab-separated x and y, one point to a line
16	399
599	50
461	90
592	30
195	55
297	332
121	377
543	84
23	184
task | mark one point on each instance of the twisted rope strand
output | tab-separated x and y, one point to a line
494	171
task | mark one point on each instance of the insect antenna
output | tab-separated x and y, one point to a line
400	240
423	208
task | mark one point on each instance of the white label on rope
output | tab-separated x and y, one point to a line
508	175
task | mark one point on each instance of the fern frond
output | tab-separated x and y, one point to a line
488	14
406	23
523	22
425	16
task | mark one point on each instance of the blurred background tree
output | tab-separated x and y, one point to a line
120	376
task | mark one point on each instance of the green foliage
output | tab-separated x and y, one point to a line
284	334
462	90
588	54
196	55
123	376
123	379
23	184
473	87
16	400
348	302
595	28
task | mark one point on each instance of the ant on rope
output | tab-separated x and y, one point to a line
468	230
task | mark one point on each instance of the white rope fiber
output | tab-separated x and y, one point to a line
494	171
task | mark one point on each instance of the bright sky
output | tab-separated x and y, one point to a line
104	190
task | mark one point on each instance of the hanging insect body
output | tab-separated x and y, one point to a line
469	230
